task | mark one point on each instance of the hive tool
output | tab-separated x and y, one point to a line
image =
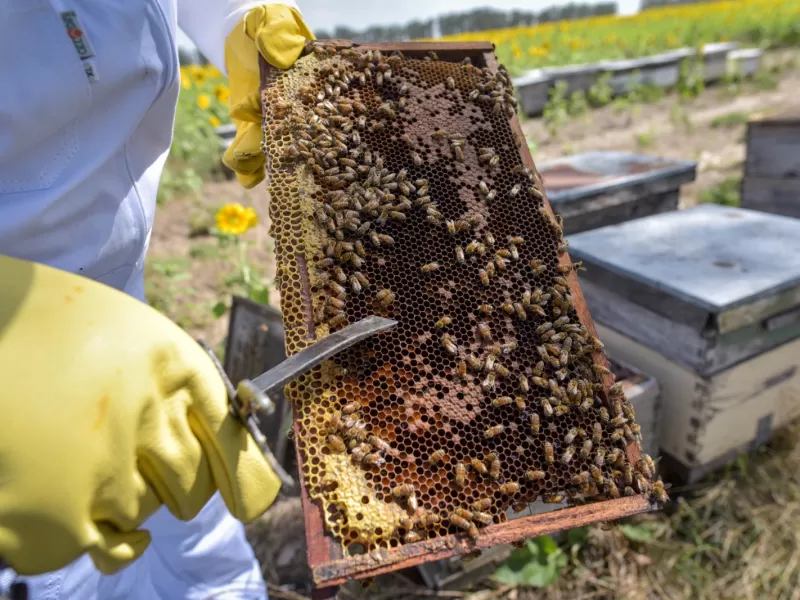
250	399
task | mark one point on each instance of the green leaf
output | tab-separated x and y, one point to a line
577	536
637	533
536	565
259	294
220	308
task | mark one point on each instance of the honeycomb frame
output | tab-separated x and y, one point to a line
329	562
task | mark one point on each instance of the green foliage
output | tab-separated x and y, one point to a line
645	139
725	193
536	565
556	112
601	92
578	104
690	79
733	119
641	533
680	117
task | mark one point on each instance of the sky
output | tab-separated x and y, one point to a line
360	14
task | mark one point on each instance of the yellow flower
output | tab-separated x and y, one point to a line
186	80
537	51
203	101
214	121
222	93
197	73
235	219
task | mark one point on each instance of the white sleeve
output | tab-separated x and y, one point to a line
209	22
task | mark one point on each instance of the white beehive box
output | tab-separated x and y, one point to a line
707	301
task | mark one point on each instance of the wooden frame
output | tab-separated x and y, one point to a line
329	566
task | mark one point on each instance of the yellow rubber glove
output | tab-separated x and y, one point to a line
278	33
107	411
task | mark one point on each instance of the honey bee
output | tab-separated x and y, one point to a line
544	327
501	370
485	309
507	307
650	464
535	423
553	498
568	454
520	311
501	401
460	475
547	408
616	456
629	435
512	250
534	475
481	517
337	319
613	490
459	251
443	322
659	492
509	488
462	523
571	435
335	443
597	474
627	474
416	158
491	195
412	537
549	453
489	382
428	519
494	431
385	297
600	369
360	451
617	435
451	83
618	421
448	344
604	414
616	391
373	460
436	457
484	331
520	402
600	457
474	363
403	491
628	491
479	466
351	407
494	466
484	276
586	450
641	483
482	504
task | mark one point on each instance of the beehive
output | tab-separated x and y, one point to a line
398	188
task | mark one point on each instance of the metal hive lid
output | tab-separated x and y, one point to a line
708	266
588	174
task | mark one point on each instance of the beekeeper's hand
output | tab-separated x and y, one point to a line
278	33
107	411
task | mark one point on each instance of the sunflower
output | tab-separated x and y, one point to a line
215	122
203	101
235	219
222	93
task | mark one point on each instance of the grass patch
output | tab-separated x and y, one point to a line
725	193
645	139
730	120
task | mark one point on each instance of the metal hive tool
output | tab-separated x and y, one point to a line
401	186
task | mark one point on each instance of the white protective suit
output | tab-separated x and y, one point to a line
83	141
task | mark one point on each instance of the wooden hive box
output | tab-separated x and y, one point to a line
359	375
772	166
595	189
706	300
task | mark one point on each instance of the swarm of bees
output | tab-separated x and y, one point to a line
478	280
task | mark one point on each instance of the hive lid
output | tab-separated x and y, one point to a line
711	267
589	174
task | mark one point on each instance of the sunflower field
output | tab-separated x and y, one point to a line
764	23
202	107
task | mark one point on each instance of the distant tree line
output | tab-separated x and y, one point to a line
656	3
479	19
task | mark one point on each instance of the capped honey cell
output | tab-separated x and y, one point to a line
398	189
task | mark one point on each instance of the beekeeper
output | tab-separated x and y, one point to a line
122	474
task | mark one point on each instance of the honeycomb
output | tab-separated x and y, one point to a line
398	189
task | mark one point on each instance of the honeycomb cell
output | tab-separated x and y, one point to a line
398	189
